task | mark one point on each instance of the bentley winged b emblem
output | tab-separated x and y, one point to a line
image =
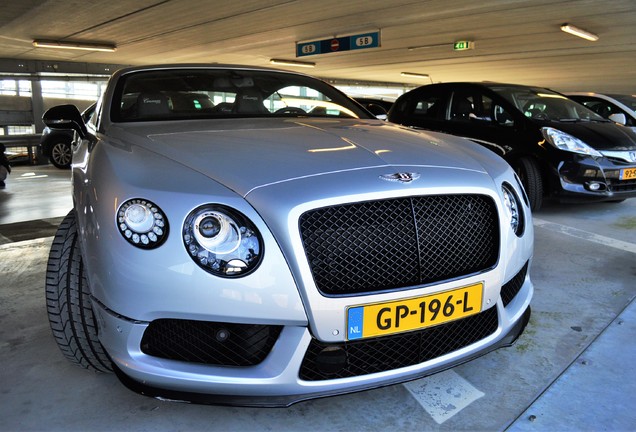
402	177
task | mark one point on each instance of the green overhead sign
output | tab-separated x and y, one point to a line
463	45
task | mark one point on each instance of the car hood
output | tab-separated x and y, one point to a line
245	154
600	136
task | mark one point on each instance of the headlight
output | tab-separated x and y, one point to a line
567	142
222	241
514	210
142	223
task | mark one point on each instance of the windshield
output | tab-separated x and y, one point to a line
543	104
627	100
212	93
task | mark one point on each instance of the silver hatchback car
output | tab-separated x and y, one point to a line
250	236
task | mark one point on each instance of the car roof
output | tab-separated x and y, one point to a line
209	66
482	84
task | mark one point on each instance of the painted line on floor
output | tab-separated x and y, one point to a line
585	235
38	241
444	394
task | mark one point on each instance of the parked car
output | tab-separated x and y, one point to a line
56	144
250	236
618	108
379	106
558	147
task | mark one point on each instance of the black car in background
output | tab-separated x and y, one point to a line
56	144
379	106
558	147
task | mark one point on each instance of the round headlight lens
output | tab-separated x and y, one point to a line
217	233
513	209
222	241
142	223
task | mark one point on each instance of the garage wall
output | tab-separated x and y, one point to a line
18	110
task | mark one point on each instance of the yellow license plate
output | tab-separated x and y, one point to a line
628	174
399	316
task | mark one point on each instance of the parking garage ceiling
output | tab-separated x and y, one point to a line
515	41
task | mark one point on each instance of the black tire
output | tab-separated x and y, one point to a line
61	155
68	301
531	179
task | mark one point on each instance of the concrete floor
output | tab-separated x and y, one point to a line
571	370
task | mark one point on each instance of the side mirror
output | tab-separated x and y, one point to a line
618	118
65	117
377	110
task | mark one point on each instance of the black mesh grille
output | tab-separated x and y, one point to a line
393	352
623	186
512	287
380	245
209	342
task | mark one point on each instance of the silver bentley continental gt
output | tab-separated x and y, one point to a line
254	237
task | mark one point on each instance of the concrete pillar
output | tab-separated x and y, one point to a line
37	105
37	108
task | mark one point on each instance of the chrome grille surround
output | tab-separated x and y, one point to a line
382	245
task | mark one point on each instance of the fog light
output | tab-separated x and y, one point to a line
595	186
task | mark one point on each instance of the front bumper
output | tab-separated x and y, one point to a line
260	400
281	378
586	179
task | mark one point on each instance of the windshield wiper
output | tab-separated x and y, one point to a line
585	120
572	120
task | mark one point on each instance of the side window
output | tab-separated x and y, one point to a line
502	116
478	107
601	107
462	107
605	109
482	108
428	106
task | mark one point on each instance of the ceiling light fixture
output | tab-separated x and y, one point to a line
414	75
74	45
569	28
296	63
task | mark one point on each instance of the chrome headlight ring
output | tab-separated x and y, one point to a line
142	223
514	209
222	241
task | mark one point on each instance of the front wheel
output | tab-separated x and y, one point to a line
531	179
68	301
61	155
